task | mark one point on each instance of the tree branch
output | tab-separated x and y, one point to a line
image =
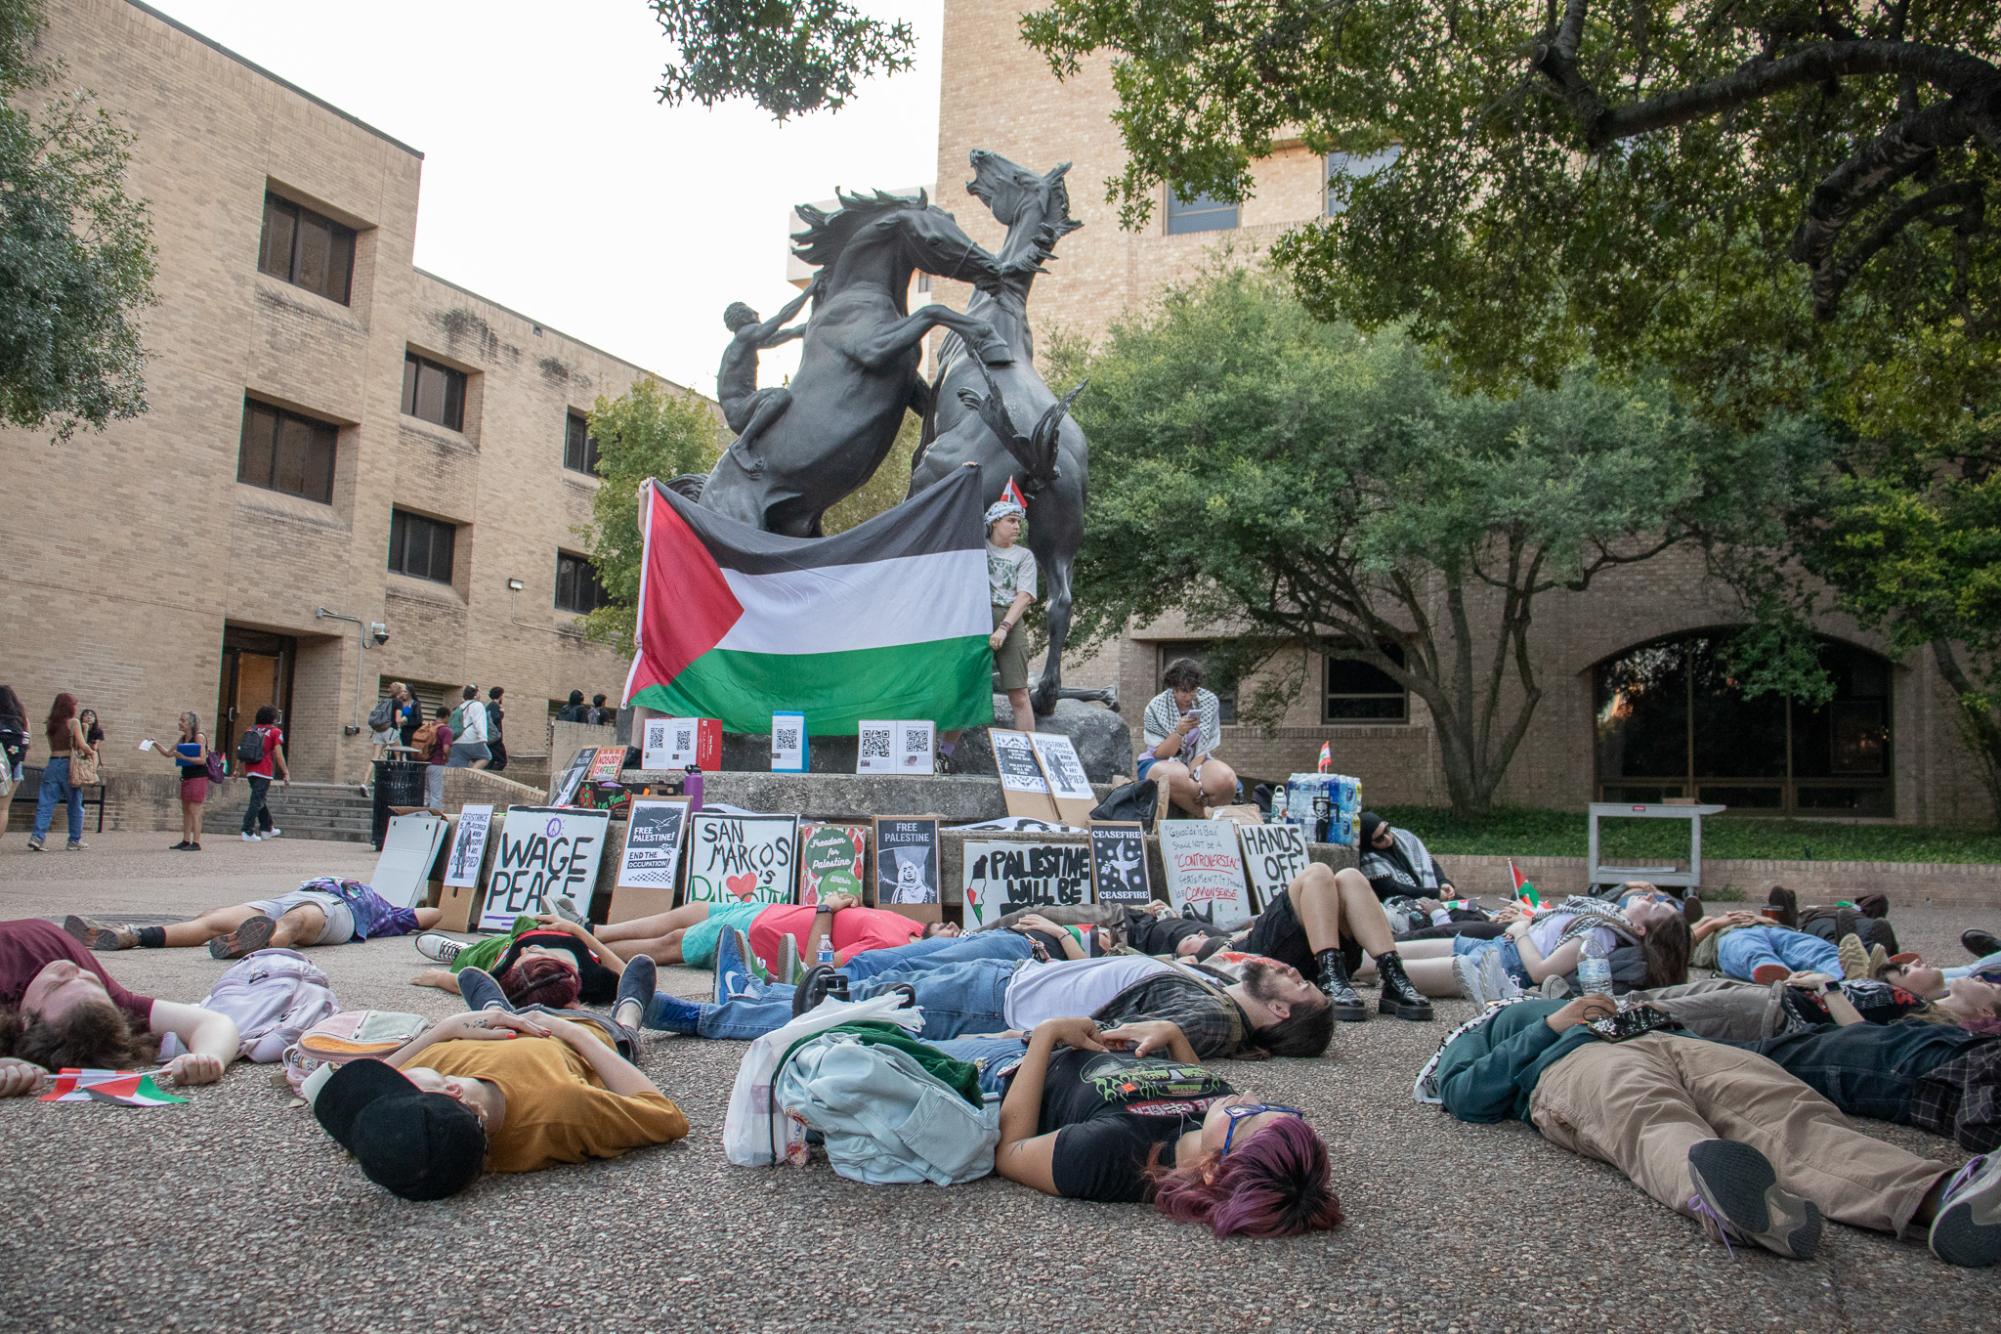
1830	277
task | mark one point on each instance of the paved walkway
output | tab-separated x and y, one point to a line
235	1211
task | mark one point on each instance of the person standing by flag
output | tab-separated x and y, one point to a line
1011	575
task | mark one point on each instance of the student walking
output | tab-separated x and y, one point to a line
263	759
468	724
435	750
68	748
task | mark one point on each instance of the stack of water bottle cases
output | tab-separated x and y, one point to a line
1327	806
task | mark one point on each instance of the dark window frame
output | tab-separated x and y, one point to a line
580	584
264	463
1344	164
452	405
1203	213
580	447
406	528
1391	690
1167	650
339	238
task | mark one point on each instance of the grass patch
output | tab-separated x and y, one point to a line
1541	833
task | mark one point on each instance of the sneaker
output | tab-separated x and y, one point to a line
1980	943
252	838
181	846
1554	987
1738	1194
273	832
480	991
637	986
1854	957
1967	1230
252	936
78	846
97	936
1495	979
1767	973
438	948
733	966
1470	981
566	908
35	845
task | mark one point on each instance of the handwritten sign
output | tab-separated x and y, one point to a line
741	858
1005	877
1273	855
654	828
1205	871
606	765
833	859
906	862
468	856
544	852
1118	865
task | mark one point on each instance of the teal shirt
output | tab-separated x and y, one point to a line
1488	1074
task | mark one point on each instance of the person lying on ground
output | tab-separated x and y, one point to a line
321	911
1721	1134
59	1009
542	960
1867	917
1752	948
1125	1116
490	1091
1550	943
688	934
1260	1008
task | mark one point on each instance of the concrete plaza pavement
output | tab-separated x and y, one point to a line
236	1212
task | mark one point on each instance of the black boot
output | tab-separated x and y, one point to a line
1341	997
1400	998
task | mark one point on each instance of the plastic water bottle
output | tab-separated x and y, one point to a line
826	951
1594	970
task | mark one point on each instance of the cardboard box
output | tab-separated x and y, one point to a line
460	907
628	904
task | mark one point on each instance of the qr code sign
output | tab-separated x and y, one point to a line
785	738
876	743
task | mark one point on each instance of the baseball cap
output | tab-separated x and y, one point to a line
421	1146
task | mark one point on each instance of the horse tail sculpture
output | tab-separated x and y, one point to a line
1036	452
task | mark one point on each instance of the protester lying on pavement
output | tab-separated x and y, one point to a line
321	911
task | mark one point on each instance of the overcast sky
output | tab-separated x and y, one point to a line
555	184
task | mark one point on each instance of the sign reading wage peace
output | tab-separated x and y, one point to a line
886	620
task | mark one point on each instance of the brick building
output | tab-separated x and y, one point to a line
1634	706
341	449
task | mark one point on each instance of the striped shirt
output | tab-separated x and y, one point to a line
1162	717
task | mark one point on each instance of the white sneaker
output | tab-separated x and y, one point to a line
252	838
273	833
442	949
1469	978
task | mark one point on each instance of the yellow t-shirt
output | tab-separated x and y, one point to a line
557	1109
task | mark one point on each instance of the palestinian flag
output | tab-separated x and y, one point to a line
1525	890
887	620
126	1088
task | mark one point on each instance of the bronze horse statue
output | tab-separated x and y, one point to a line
1007	421
858	361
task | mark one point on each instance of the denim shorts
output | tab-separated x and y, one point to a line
1511	956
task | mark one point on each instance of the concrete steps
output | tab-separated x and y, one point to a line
335	811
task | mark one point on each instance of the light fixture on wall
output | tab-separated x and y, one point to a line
516	585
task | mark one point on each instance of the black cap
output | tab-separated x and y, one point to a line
421	1146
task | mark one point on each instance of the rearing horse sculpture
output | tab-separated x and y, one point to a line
858	362
1008	422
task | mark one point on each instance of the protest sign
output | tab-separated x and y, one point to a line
543	852
741	858
1118	865
469	843
1004	877
1023	787
1205	871
833	859
1273	855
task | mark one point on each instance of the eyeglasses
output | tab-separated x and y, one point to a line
1238	1111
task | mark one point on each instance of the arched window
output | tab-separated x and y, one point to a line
1671	722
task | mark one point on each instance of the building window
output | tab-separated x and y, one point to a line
1203	213
580	447
306	250
1355	166
577	586
421	547
282	451
433	392
1225	692
1361	692
1671	721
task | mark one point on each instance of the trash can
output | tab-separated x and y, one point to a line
397	783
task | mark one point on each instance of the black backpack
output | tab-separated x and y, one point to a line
250	746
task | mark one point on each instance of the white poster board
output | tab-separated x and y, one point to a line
469	839
404	869
1069	785
1205	871
653	832
788	743
875	746
1001	877
741	858
916	746
669	743
543	852
1273	855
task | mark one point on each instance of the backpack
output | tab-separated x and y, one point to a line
273	997
757	1132
883	1116
458	720
250	746
349	1035
423	739
380	716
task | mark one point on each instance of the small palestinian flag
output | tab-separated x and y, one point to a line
1525	890
125	1088
1013	493
1326	757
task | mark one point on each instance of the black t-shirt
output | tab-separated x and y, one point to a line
1114	1116
1159	935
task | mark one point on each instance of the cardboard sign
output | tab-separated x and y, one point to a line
833	859
563	786
1273	855
469	843
652	858
606	765
544	852
1023	787
788	743
741	858
1205	872
916	747
403	871
1004	877
682	743
1118	864
906	863
1069	785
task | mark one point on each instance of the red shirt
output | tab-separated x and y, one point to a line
28	946
854	930
268	766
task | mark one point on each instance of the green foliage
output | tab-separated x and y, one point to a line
1265	472
76	254
649	431
789	58
1505	832
886	488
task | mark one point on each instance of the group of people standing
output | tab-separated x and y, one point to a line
468	736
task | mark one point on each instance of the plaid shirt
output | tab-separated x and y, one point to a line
1962	1098
1212	1022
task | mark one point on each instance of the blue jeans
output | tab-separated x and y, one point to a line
957	998
1989	965
996	1058
937	951
255	812
1742	951
57	787
1511	955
